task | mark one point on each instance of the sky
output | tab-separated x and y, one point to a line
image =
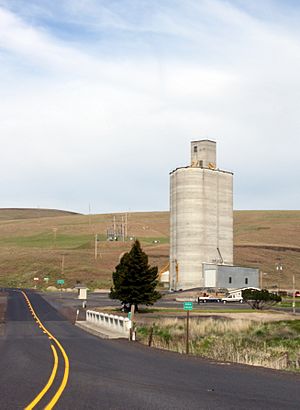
99	100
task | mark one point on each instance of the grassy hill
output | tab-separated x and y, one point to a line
7	214
267	238
59	244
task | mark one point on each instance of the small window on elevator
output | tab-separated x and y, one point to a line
195	148
246	281
230	279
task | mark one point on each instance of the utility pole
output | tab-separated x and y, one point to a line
123	229
126	225
294	295
54	236
279	268
90	221
260	279
96	246
114	225
177	271
63	265
39	214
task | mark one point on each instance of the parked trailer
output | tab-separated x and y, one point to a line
208	299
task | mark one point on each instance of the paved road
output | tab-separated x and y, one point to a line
119	375
66	299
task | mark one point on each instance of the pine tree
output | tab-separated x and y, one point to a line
134	281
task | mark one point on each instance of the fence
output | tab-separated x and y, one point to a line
110	322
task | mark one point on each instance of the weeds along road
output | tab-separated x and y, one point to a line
81	371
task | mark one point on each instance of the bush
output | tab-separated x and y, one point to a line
259	299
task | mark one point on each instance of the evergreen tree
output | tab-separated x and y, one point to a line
134	281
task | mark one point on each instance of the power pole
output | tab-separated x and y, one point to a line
39	214
294	294
90	221
279	268
54	236
260	279
63	265
126	225
96	246
123	229
114	226
177	271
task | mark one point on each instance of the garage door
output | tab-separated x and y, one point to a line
210	278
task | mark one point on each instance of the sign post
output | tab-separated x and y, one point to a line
187	306
60	282
36	280
132	330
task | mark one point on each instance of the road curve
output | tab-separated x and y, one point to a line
53	375
121	375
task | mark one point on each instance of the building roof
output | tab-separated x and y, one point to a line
205	140
202	168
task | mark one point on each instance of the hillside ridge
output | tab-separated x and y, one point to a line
29	213
39	245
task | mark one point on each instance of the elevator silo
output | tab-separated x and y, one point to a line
201	217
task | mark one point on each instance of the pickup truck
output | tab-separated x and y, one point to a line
232	299
208	299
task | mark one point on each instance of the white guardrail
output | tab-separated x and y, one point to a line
110	322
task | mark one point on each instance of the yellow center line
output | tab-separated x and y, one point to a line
49	383
61	388
64	382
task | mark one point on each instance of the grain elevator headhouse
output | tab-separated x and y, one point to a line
201	217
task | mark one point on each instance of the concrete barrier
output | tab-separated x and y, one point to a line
112	323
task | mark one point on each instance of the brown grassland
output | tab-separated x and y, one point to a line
33	243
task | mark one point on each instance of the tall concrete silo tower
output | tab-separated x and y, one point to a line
201	217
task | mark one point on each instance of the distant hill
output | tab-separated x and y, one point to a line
266	239
34	242
29	213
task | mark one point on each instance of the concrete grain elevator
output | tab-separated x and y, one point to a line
201	217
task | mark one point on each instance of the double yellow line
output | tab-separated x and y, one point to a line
63	384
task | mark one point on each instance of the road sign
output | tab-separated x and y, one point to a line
129	315
36	278
188	305
60	281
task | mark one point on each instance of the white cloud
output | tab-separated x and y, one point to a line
79	125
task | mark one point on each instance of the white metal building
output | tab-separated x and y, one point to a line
229	276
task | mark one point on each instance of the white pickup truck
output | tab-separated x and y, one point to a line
232	299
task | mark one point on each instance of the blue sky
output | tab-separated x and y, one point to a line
100	100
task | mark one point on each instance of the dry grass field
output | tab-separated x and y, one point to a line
40	243
273	344
57	244
267	238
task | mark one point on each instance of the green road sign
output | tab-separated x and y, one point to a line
188	305
60	281
129	315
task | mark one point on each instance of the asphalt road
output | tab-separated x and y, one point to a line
66	299
107	374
